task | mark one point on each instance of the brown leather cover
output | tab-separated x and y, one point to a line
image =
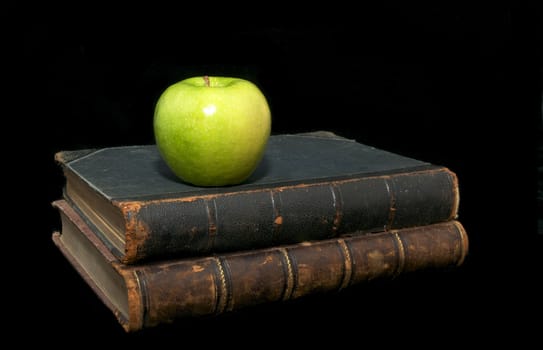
161	292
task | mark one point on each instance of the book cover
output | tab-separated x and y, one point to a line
161	292
307	187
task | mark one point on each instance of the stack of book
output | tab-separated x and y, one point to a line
320	214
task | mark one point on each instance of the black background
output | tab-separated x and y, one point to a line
453	85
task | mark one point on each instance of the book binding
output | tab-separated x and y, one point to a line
163	291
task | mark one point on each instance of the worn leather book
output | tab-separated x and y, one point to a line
307	187
161	292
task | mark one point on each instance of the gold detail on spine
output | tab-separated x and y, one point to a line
144	299
401	253
212	229
290	275
277	216
348	264
337	202
392	206
222	296
464	243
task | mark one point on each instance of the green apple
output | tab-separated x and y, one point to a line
212	130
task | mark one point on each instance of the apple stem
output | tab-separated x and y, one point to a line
206	80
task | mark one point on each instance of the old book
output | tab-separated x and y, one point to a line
307	187
160	292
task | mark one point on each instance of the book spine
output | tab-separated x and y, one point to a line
285	215
223	283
